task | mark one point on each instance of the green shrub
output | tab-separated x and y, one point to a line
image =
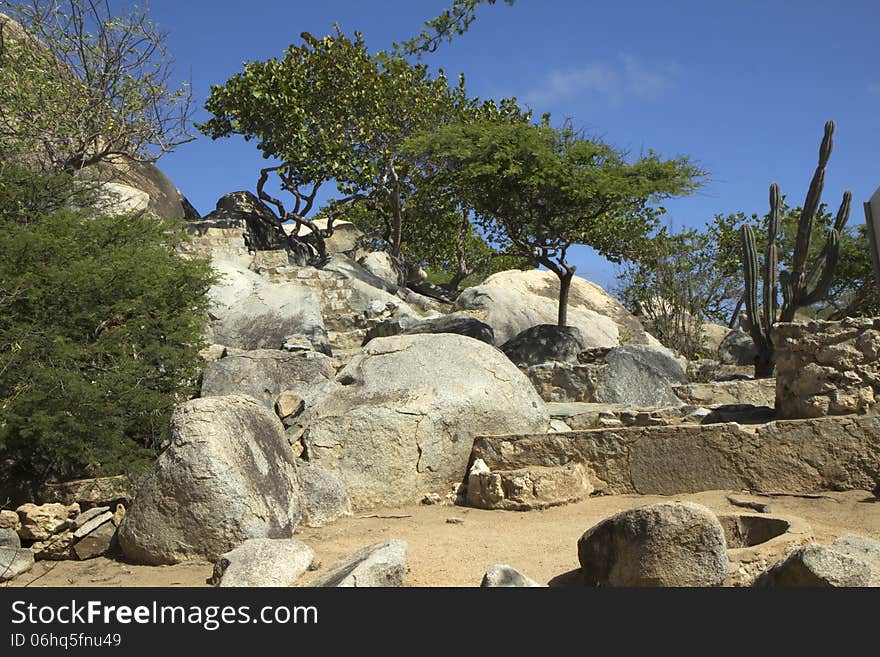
100	326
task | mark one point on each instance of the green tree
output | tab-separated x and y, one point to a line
79	85
536	190
677	283
329	112
100	326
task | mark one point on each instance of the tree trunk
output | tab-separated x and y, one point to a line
739	304
564	289
396	215
764	362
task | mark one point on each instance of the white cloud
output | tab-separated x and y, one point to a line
613	83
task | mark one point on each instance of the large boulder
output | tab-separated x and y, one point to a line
545	343
454	323
665	544
403	421
265	562
638	375
227	476
377	565
849	561
137	184
346	238
266	373
248	312
737	348
244	212
513	301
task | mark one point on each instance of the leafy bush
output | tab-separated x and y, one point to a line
100	327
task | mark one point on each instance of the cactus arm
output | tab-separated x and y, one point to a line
808	215
750	270
770	262
826	275
788	307
821	276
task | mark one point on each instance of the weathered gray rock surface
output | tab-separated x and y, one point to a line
817	566
640	375
665	544
377	565
14	562
513	301
228	476
545	343
737	348
248	312
502	575
403	420
266	562
324	497
266	373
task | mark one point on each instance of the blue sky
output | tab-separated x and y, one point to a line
744	87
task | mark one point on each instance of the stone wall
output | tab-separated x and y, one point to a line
833	453
758	392
827	368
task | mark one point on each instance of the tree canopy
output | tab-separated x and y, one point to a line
329	112
536	190
100	326
79	85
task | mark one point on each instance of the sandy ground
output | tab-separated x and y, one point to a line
541	544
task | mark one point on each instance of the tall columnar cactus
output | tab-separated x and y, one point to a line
800	287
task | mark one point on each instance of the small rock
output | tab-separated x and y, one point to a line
213	352
432	498
297	342
266	562
9	520
58	547
455	521
96	543
289	404
119	516
92	524
14	562
38	523
377	565
558	426
501	575
85	516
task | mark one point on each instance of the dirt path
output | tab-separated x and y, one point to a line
541	544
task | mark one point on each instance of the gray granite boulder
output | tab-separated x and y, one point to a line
227	476
265	562
665	544
403	421
377	565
